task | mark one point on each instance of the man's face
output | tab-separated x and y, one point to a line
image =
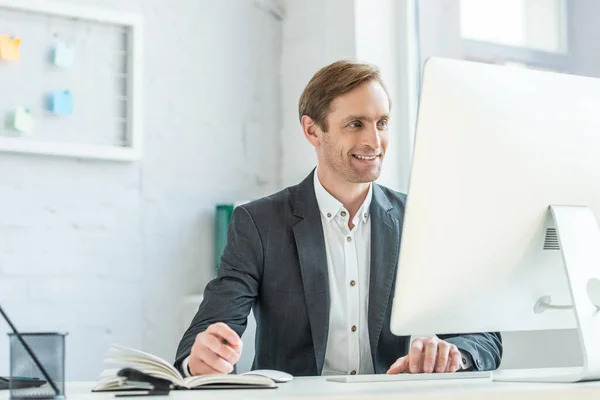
357	137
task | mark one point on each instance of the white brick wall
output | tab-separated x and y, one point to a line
107	251
14	289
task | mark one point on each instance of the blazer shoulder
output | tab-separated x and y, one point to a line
397	199
265	207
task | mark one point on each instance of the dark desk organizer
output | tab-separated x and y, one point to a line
37	364
49	349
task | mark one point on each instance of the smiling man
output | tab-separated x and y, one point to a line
317	261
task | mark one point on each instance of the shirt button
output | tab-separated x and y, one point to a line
353	328
328	215
353	372
348	239
352	283
343	213
365	215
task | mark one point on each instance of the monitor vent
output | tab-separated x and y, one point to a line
551	242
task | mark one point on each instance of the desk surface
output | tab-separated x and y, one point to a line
319	388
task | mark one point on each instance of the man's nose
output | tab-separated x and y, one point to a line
372	136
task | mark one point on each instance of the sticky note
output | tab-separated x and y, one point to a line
64	55
9	48
61	102
23	121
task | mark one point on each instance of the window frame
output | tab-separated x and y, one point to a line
501	54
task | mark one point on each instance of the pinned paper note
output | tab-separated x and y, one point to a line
64	55
23	121
9	48
61	102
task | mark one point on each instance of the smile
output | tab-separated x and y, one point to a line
368	158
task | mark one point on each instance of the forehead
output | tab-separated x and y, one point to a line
368	99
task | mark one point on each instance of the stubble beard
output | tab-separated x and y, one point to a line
342	165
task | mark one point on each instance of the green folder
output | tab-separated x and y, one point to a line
223	214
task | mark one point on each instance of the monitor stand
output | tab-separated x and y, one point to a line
579	239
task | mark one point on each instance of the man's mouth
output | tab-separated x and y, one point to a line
367	158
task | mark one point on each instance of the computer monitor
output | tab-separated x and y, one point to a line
483	246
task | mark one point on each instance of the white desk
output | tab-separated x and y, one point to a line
318	388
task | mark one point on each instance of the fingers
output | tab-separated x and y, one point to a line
443	354
215	351
205	361
226	333
415	355
214	361
223	350
454	359
401	365
430	355
431	352
201	368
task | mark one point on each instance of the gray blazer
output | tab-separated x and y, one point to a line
275	262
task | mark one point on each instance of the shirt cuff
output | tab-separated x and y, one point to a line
184	367
466	362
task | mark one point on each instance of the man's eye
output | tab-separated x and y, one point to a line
355	125
383	124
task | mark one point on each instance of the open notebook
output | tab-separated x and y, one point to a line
123	356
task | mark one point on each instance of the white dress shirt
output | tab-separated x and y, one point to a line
348	264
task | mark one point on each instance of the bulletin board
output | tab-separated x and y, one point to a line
70	80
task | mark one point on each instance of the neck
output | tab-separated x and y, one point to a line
350	194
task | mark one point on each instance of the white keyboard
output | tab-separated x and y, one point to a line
409	377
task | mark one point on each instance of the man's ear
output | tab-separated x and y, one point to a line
311	130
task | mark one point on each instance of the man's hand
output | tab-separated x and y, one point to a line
215	351
428	355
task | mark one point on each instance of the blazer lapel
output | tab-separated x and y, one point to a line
385	244
308	234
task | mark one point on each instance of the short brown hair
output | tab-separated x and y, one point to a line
332	81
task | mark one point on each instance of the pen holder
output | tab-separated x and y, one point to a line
28	380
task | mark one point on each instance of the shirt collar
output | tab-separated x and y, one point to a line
330	206
363	211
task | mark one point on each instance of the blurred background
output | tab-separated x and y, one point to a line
120	252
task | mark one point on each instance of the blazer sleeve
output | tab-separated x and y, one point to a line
485	349
230	295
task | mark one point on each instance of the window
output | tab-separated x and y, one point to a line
531	33
532	24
